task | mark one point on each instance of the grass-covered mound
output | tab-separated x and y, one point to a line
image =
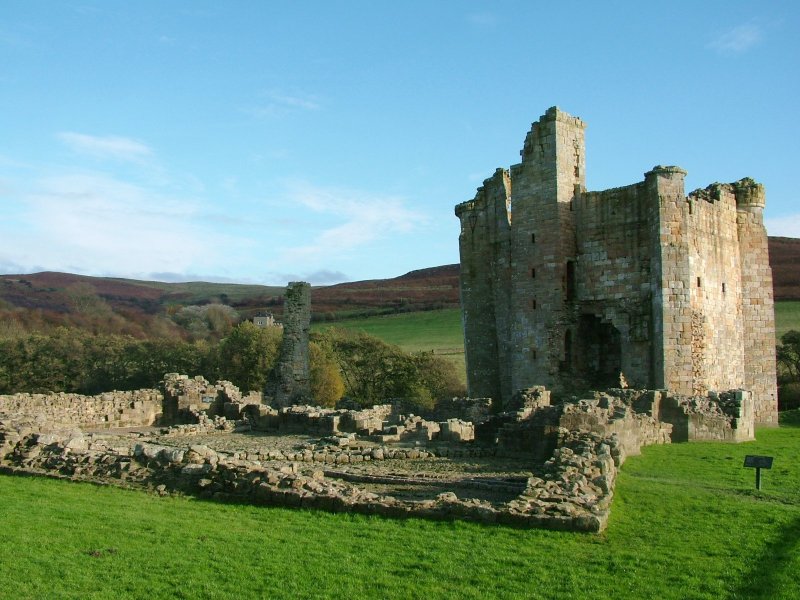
686	523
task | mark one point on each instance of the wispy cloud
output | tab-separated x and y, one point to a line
785	226
96	223
106	147
363	218
318	277
737	40
278	103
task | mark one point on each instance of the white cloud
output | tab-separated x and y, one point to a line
737	40
95	223
278	103
786	226
364	218
106	147
318	277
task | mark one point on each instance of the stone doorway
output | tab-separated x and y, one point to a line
598	352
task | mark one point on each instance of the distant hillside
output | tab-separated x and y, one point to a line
40	301
141	308
424	289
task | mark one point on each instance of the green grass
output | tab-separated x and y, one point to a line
436	330
787	316
686	523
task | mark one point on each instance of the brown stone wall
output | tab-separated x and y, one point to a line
613	274
758	313
485	253
290	382
715	284
63	411
641	284
544	186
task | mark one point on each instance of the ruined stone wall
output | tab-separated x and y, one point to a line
485	273
567	288
613	279
290	382
758	313
48	412
544	186
717	348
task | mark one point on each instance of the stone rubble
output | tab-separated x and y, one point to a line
573	449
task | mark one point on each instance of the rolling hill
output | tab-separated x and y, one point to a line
61	298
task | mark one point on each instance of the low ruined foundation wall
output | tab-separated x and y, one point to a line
48	412
607	416
565	498
575	448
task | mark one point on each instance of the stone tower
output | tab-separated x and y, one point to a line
289	382
566	288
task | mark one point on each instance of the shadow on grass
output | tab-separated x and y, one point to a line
764	578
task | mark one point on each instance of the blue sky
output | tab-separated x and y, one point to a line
262	142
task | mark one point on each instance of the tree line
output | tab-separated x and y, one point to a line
343	363
788	355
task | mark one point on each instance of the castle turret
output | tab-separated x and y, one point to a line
546	182
484	283
758	312
670	285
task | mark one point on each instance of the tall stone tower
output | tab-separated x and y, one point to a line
290	381
566	288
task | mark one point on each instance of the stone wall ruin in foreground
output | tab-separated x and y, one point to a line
572	450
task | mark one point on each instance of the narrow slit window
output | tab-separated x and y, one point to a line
723	288
533	304
533	274
533	238
533	354
699	282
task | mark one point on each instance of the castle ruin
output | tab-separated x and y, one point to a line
564	287
290	381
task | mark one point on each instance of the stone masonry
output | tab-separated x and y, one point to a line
640	285
290	381
538	465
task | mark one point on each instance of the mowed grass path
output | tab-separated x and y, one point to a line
686	523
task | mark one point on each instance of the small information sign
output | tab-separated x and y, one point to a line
758	462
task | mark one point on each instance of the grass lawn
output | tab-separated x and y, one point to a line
686	523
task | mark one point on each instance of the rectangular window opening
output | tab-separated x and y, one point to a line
723	288
699	282
533	274
533	238
533	304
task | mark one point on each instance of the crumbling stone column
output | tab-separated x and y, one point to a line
290	380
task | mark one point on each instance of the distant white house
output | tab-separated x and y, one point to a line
266	320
